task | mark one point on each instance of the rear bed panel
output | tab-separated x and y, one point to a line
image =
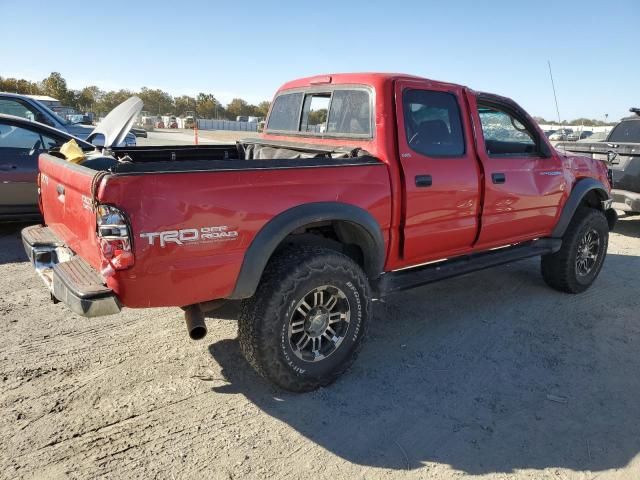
66	203
232	207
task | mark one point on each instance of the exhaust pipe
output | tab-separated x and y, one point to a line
195	322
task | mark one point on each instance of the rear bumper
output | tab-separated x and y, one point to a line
69	278
626	201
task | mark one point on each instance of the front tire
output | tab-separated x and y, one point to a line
307	320
577	264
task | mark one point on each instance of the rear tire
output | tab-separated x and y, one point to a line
577	264
307	320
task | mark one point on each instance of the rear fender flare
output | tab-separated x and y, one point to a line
278	228
580	191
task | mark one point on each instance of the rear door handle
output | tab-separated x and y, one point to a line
423	180
8	167
498	177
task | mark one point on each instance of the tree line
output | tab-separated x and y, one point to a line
156	101
587	122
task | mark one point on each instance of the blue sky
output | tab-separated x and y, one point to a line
248	49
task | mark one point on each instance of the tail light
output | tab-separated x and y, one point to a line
114	239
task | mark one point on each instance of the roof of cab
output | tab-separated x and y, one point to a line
364	78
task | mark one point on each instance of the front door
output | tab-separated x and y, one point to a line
19	150
441	177
523	180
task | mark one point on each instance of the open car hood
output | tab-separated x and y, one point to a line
117	124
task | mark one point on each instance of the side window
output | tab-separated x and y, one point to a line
50	142
17	109
285	111
18	138
314	112
350	112
504	134
432	123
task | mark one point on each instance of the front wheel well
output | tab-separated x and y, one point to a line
593	199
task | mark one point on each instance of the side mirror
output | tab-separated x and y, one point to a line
97	139
42	119
612	158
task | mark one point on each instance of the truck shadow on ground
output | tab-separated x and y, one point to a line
629	226
492	372
11	249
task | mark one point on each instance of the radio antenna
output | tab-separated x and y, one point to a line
554	90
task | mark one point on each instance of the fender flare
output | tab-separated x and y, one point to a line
580	190
279	227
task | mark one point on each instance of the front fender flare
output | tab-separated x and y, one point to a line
581	189
278	228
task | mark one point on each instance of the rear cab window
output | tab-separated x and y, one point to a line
331	112
627	131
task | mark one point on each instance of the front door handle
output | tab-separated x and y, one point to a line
7	167
423	180
498	177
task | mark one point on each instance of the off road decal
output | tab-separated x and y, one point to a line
191	236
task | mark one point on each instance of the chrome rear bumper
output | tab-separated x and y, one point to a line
69	278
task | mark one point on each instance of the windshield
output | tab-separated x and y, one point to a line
626	132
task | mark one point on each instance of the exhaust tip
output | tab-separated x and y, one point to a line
198	333
194	318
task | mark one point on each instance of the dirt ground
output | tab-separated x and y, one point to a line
491	375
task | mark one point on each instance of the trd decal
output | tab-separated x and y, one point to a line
191	235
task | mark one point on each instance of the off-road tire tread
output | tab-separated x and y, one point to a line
558	269
257	328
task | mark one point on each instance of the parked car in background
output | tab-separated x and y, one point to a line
26	107
548	133
561	134
575	136
80	119
139	132
189	122
595	137
621	147
21	142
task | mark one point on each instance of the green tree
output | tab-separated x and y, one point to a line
87	98
262	109
183	104
156	100
209	106
56	86
111	100
19	85
238	107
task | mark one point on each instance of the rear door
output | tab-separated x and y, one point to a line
441	176
523	182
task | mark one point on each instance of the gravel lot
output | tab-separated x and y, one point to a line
492	374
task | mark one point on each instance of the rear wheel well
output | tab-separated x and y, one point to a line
345	237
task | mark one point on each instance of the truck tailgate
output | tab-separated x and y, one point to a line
66	196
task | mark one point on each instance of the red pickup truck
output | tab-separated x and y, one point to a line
362	185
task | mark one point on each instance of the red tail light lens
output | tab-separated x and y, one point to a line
114	239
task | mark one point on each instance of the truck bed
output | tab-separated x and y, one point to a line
170	189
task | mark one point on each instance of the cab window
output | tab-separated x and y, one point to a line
432	123
504	134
